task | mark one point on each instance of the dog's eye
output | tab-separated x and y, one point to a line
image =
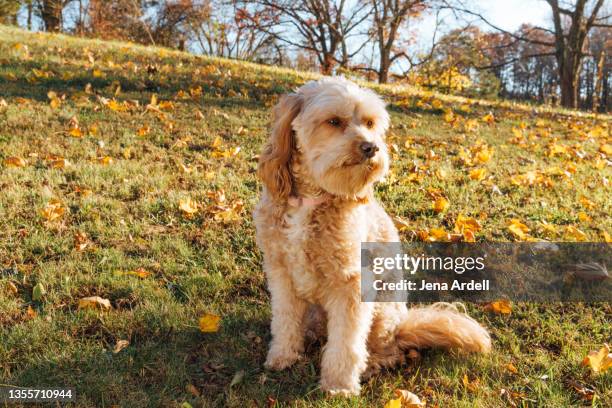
369	123
335	122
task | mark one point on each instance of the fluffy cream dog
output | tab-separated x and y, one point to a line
326	151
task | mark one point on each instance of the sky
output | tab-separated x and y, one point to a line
510	14
506	14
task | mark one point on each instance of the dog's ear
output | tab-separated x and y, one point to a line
275	159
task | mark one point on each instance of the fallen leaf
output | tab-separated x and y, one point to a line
502	306
478	174
209	323
586	203
30	312
105	160
408	399
575	233
15	162
12	288
143	131
58	162
237	379
599	361
52	210
38	291
190	388
75	132
188	207
140	273
471	386
120	345
440	205
510	367
518	229
94	302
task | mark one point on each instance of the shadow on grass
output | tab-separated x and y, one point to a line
226	369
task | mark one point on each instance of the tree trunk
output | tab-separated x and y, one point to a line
51	14
569	83
383	71
327	66
598	81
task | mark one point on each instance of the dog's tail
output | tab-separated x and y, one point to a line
442	325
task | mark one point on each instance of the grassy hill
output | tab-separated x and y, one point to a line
128	173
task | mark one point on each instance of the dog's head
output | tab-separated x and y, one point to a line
338	129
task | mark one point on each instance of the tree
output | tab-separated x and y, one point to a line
388	18
320	27
234	29
8	11
51	13
572	22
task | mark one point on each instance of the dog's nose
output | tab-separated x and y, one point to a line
368	149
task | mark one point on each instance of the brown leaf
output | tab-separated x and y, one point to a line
120	345
94	302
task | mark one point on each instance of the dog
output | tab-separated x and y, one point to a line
326	151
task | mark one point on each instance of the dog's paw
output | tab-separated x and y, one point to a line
278	359
344	389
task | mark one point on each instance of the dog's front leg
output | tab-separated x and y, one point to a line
346	354
287	320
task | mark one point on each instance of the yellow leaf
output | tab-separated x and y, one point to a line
58	162
31	313
143	131
510	367
606	237
394	403
584	217
471	386
209	323
54	101
116	106
93	130
75	132
518	229
548	229
14	162
606	149
463	223
575	233
94	302
188	207
437	234
440	205
599	361
502	306
478	174
105	160
52	210
166	105
217	142
12	288
586	203
489	118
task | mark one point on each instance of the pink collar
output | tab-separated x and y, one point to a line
308	202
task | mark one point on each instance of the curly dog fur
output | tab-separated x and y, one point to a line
325	152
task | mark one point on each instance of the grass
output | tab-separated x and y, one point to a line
125	212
